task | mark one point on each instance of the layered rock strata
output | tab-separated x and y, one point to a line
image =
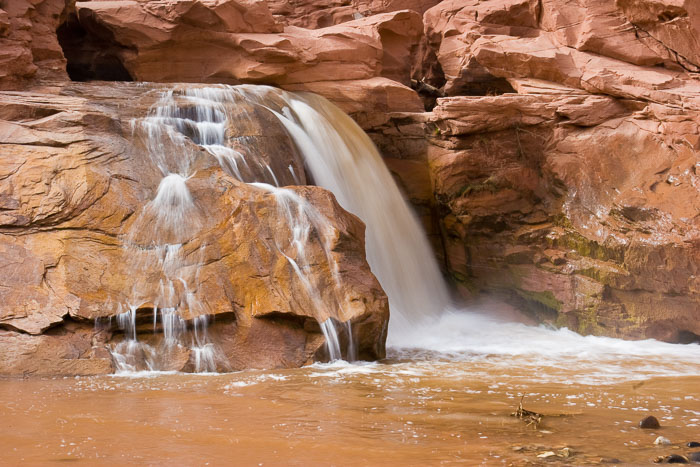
76	224
565	160
555	166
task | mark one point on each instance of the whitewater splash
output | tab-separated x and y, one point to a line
340	157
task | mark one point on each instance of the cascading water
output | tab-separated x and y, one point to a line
341	158
154	245
214	119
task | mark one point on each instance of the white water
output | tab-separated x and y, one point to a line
542	353
211	119
341	157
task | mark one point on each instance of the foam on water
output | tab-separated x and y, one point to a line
468	336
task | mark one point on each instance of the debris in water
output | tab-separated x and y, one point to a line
565	452
529	417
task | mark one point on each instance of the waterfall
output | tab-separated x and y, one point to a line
339	156
343	159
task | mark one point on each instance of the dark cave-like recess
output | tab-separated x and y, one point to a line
90	56
687	337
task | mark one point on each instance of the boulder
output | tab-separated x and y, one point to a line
77	244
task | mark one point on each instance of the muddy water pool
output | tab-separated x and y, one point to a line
419	407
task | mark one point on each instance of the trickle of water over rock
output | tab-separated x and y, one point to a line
188	129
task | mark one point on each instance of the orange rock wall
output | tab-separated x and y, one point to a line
550	147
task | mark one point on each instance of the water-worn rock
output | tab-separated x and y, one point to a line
560	157
557	167
693	444
675	459
662	441
28	43
75	195
649	422
155	46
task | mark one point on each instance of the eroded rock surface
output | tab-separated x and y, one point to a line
28	42
562	149
155	46
564	163
555	166
76	243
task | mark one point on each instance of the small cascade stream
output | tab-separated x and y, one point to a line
214	119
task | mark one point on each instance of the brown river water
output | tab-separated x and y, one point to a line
449	405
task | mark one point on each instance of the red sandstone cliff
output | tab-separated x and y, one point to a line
550	146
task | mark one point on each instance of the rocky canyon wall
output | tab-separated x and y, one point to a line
550	147
575	192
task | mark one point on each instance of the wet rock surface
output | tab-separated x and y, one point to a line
649	422
550	148
77	224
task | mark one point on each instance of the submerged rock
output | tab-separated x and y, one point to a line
662	441
649	422
675	459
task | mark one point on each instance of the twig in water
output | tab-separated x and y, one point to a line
529	417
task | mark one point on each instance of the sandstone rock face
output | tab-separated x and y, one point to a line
586	234
312	14
28	41
77	244
154	46
555	166
234	42
564	164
